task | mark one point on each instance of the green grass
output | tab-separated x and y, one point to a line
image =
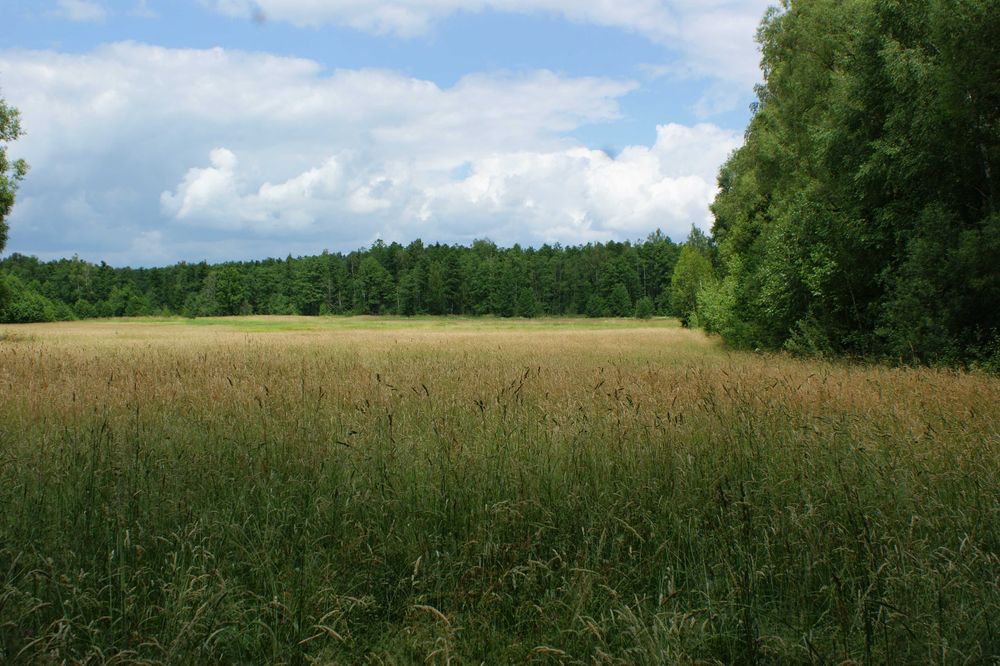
464	491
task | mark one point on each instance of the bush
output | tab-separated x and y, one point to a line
4	295
595	306
84	309
809	338
62	312
26	306
717	312
692	271
644	308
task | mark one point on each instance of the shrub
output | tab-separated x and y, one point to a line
644	308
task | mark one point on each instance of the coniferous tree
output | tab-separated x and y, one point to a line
619	304
374	289
230	291
408	293
595	306
437	298
476	280
644	308
526	305
307	290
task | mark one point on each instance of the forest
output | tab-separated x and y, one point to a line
860	216
599	280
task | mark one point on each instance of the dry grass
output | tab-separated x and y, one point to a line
288	489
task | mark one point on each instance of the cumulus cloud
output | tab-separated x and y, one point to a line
713	37
584	194
216	195
79	10
574	194
145	153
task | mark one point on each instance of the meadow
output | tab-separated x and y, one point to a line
395	491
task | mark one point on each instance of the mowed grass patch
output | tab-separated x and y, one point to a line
342	490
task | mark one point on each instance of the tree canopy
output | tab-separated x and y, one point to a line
860	215
598	279
11	171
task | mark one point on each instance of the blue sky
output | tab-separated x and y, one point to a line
221	129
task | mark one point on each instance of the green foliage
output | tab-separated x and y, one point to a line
437	298
5	294
29	306
307	291
860	216
374	291
716	306
657	258
280	304
644	308
11	172
526	305
24	304
416	279
595	306
62	312
230	292
692	273
505	287
619	304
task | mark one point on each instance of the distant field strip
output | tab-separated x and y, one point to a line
342	490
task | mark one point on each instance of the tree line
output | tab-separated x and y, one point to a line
860	216
613	279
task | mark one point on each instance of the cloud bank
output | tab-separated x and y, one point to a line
145	154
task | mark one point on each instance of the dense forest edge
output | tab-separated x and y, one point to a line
860	215
611	279
858	219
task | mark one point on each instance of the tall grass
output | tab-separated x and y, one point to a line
464	493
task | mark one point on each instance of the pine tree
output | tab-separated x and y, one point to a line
526	305
619	304
644	308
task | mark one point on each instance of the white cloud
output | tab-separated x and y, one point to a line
79	10
264	154
217	196
713	37
573	194
582	194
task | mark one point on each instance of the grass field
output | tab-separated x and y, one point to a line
285	490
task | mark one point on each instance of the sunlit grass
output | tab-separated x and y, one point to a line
260	324
286	489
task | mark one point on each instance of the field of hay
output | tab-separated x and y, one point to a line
289	490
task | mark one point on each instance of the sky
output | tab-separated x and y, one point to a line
160	131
